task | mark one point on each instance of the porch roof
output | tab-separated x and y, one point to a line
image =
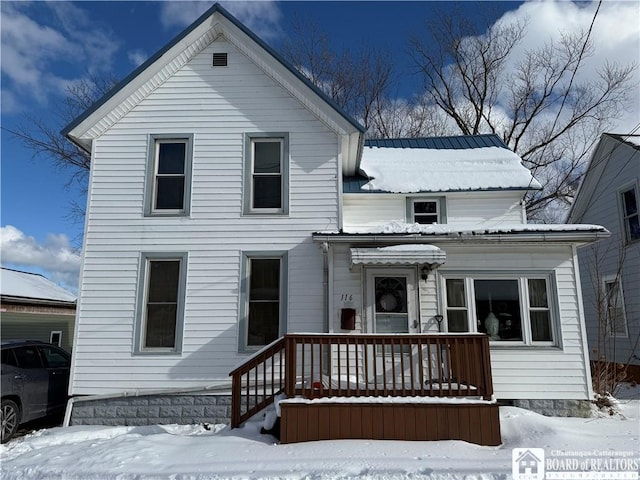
410	254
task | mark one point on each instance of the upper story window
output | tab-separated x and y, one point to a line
615	317
426	210
630	218
266	182
508	308
169	175
160	312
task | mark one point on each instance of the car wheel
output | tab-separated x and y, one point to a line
9	419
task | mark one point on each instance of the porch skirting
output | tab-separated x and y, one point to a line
472	422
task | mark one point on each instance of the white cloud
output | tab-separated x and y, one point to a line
55	256
33	52
137	57
615	36
261	17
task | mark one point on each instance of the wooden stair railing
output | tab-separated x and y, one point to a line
358	365
257	381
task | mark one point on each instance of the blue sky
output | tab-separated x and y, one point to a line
47	46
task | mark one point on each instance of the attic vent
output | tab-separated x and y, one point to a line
219	59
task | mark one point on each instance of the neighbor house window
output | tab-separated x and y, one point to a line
161	303
614	307
426	210
169	175
508	309
266	188
55	338
264	289
630	218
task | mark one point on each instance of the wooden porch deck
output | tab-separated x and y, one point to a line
400	386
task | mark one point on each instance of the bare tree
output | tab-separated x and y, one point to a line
46	142
536	104
358	80
609	371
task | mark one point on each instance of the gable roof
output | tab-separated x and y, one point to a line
17	285
215	22
440	164
627	148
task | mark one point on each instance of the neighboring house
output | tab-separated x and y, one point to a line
34	308
609	195
231	202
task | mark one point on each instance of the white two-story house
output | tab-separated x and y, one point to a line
231	202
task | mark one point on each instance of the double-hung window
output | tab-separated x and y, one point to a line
169	175
266	188
616	320
160	312
509	308
630	214
426	210
263	302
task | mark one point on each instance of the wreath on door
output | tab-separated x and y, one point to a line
390	296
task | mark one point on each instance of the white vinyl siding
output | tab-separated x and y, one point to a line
538	371
367	210
219	110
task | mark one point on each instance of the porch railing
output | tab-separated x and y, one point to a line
359	365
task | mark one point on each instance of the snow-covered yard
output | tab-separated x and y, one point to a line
196	452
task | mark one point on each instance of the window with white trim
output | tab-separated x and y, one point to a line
508	308
263	294
616	319
266	188
630	214
426	210
160	313
169	178
55	338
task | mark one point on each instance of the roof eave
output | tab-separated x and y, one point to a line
579	237
100	108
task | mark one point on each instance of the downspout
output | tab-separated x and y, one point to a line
582	320
325	286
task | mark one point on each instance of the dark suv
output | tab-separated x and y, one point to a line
35	380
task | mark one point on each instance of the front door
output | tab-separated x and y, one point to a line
392	301
392	308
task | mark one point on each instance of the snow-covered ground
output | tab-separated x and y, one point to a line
196	452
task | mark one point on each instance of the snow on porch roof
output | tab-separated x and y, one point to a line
462	163
399	255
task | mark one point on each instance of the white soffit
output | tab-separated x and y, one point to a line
411	254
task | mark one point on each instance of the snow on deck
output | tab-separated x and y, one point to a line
411	170
30	285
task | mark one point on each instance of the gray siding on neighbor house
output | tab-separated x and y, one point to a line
615	166
37	326
218	106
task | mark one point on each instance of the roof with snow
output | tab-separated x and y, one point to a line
31	286
439	164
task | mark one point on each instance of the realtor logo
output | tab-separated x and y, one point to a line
527	463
